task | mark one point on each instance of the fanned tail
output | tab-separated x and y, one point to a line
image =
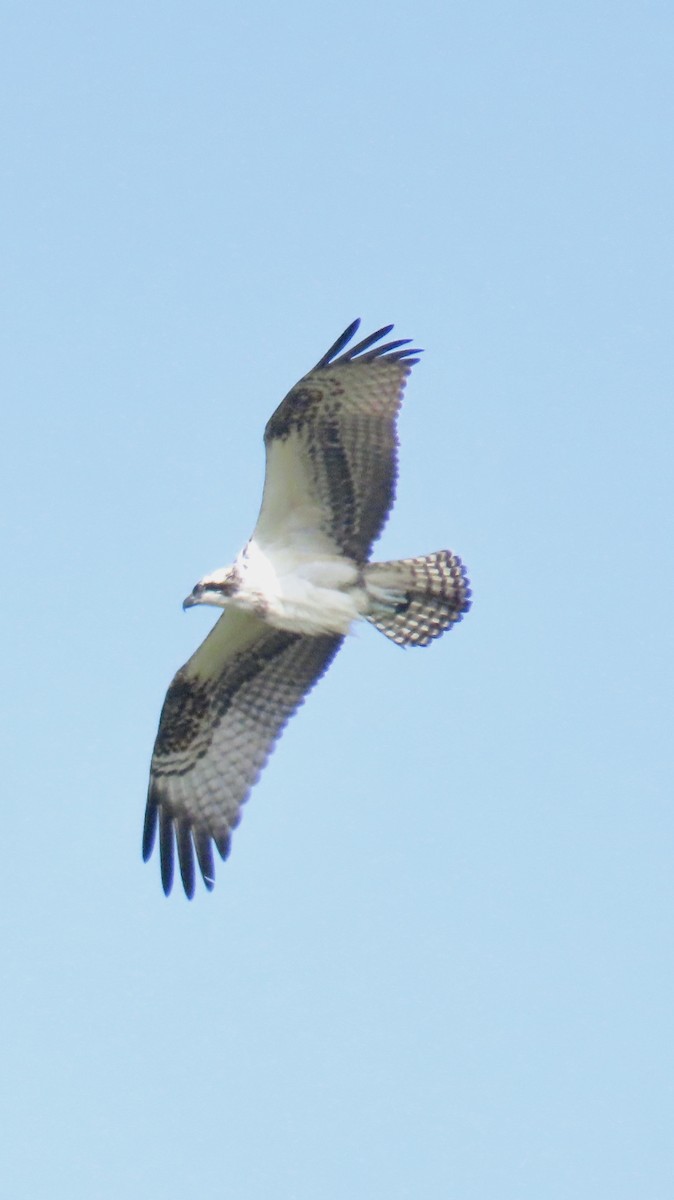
414	600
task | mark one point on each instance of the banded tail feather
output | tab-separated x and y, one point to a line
417	599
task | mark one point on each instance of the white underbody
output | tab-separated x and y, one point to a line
304	591
299	590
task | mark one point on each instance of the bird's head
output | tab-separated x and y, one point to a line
214	589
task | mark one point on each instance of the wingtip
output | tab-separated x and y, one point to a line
185	857
337	347
166	847
371	349
367	350
149	829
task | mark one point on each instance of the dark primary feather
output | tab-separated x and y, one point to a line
342	341
388	349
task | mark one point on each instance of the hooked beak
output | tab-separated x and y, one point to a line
193	598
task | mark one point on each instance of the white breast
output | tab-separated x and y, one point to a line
303	591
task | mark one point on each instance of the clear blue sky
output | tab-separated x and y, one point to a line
439	960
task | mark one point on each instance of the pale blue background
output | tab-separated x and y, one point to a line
439	960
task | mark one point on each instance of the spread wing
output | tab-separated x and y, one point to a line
222	715
332	449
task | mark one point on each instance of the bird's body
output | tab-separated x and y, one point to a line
297	589
291	596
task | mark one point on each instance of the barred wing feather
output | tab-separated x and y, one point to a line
332	448
222	715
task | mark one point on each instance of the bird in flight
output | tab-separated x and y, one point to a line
291	596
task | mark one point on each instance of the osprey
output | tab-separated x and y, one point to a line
291	596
